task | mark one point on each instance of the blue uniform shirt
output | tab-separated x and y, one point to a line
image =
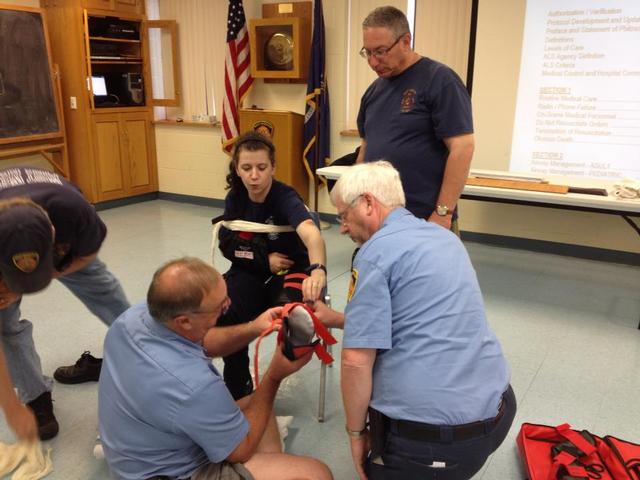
416	299
163	408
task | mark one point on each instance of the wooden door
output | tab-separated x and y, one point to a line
101	4
138	138
109	153
129	6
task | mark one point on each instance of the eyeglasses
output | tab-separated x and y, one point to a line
218	311
342	217
379	53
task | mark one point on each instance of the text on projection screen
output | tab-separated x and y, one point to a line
578	104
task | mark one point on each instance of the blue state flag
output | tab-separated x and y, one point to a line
317	119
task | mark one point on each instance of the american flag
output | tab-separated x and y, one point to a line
237	73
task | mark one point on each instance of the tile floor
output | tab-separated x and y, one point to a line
568	328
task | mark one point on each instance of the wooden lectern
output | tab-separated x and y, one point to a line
286	133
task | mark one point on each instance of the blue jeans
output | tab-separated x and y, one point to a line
95	287
406	459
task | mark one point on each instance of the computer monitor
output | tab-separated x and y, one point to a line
98	85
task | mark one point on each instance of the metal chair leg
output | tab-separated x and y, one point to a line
323	374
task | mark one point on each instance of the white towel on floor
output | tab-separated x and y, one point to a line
27	459
283	427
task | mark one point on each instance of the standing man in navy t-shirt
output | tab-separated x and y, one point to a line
47	230
416	115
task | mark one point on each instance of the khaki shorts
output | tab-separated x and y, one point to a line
222	471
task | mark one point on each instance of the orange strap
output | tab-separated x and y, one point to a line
296	275
276	324
320	330
292	276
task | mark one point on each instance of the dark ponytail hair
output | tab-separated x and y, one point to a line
251	142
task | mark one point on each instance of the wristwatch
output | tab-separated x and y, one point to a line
443	210
315	266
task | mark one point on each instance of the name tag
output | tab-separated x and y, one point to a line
247	254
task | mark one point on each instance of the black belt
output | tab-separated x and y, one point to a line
164	477
425	432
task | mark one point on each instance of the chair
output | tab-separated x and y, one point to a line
323	372
323	367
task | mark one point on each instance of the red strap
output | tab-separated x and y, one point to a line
323	355
292	285
290	276
565	459
574	437
275	324
288	307
320	330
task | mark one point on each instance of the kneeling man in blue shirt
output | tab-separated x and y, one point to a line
164	410
418	357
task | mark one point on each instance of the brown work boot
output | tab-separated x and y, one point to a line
42	408
86	369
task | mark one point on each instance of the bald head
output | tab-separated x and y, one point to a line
179	286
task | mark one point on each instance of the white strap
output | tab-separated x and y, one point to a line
244	226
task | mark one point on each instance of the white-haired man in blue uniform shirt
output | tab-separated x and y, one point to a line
418	357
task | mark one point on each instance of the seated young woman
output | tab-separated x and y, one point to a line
267	269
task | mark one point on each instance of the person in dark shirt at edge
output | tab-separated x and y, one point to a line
48	231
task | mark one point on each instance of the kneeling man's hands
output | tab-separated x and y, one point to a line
264	320
281	367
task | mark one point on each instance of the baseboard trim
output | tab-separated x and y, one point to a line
192	199
557	248
121	202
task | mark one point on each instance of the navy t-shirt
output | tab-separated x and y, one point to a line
283	206
79	230
404	120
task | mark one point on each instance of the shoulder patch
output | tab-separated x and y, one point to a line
352	284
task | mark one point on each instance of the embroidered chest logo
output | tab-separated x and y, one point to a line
26	262
408	100
352	284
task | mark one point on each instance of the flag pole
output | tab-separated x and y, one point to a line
316	149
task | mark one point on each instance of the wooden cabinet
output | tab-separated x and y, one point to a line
280	42
124	143
119	6
286	135
108	113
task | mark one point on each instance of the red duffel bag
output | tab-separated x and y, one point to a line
560	453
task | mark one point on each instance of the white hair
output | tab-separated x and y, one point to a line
378	178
